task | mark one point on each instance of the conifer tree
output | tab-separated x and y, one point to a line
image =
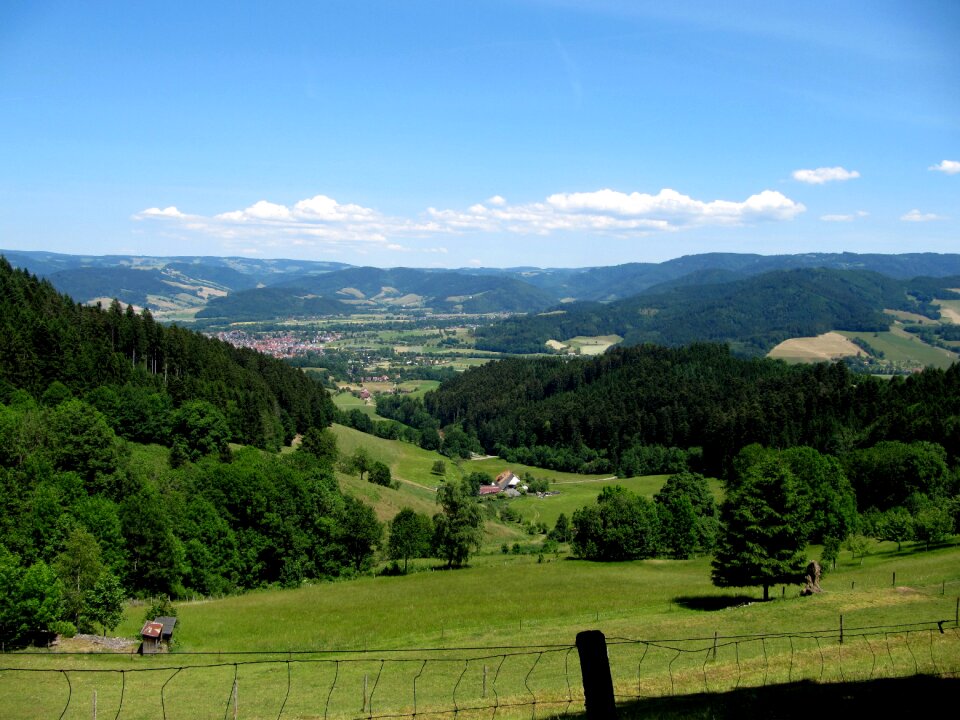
763	534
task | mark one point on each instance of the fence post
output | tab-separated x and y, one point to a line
597	681
236	700
894	583
94	705
364	708
484	681
841	629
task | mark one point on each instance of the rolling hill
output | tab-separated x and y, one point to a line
177	287
751	314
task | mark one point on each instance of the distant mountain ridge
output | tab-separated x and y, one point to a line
752	314
234	288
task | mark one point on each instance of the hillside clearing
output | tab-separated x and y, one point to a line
825	347
899	346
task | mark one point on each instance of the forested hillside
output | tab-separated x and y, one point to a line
89	515
138	371
365	289
653	409
751	314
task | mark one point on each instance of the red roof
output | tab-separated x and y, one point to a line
152	629
489	489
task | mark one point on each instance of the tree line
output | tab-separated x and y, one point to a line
651	409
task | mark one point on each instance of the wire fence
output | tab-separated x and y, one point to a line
487	682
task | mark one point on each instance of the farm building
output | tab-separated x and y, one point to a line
156	634
507	479
506	482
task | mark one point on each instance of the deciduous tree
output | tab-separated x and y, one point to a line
410	536
458	528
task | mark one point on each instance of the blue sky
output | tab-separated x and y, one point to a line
500	133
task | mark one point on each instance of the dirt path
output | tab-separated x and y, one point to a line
577	482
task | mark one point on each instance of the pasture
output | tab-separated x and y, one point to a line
900	346
501	631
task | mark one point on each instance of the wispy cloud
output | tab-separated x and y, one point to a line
950	167
844	217
323	221
917	216
824	175
170	212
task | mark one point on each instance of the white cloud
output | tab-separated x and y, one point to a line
673	208
847	217
261	210
323	222
170	212
950	167
824	174
917	216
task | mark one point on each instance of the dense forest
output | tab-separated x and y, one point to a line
138	372
93	508
653	409
751	314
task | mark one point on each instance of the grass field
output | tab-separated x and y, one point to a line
901	347
286	649
499	633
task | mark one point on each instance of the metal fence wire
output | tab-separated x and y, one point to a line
489	682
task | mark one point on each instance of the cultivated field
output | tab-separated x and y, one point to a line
822	348
586	345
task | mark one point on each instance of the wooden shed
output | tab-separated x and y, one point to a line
150	635
156	634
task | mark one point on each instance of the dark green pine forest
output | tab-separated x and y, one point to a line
652	409
751	314
92	510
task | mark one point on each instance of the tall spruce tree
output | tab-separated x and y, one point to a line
763	533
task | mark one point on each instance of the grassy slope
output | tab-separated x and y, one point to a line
652	598
498	600
900	346
505	601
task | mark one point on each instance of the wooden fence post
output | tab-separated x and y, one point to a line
597	681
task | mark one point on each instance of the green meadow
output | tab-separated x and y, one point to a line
499	634
900	346
434	634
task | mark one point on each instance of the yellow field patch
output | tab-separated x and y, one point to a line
595	345
584	345
950	315
828	346
910	317
950	309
